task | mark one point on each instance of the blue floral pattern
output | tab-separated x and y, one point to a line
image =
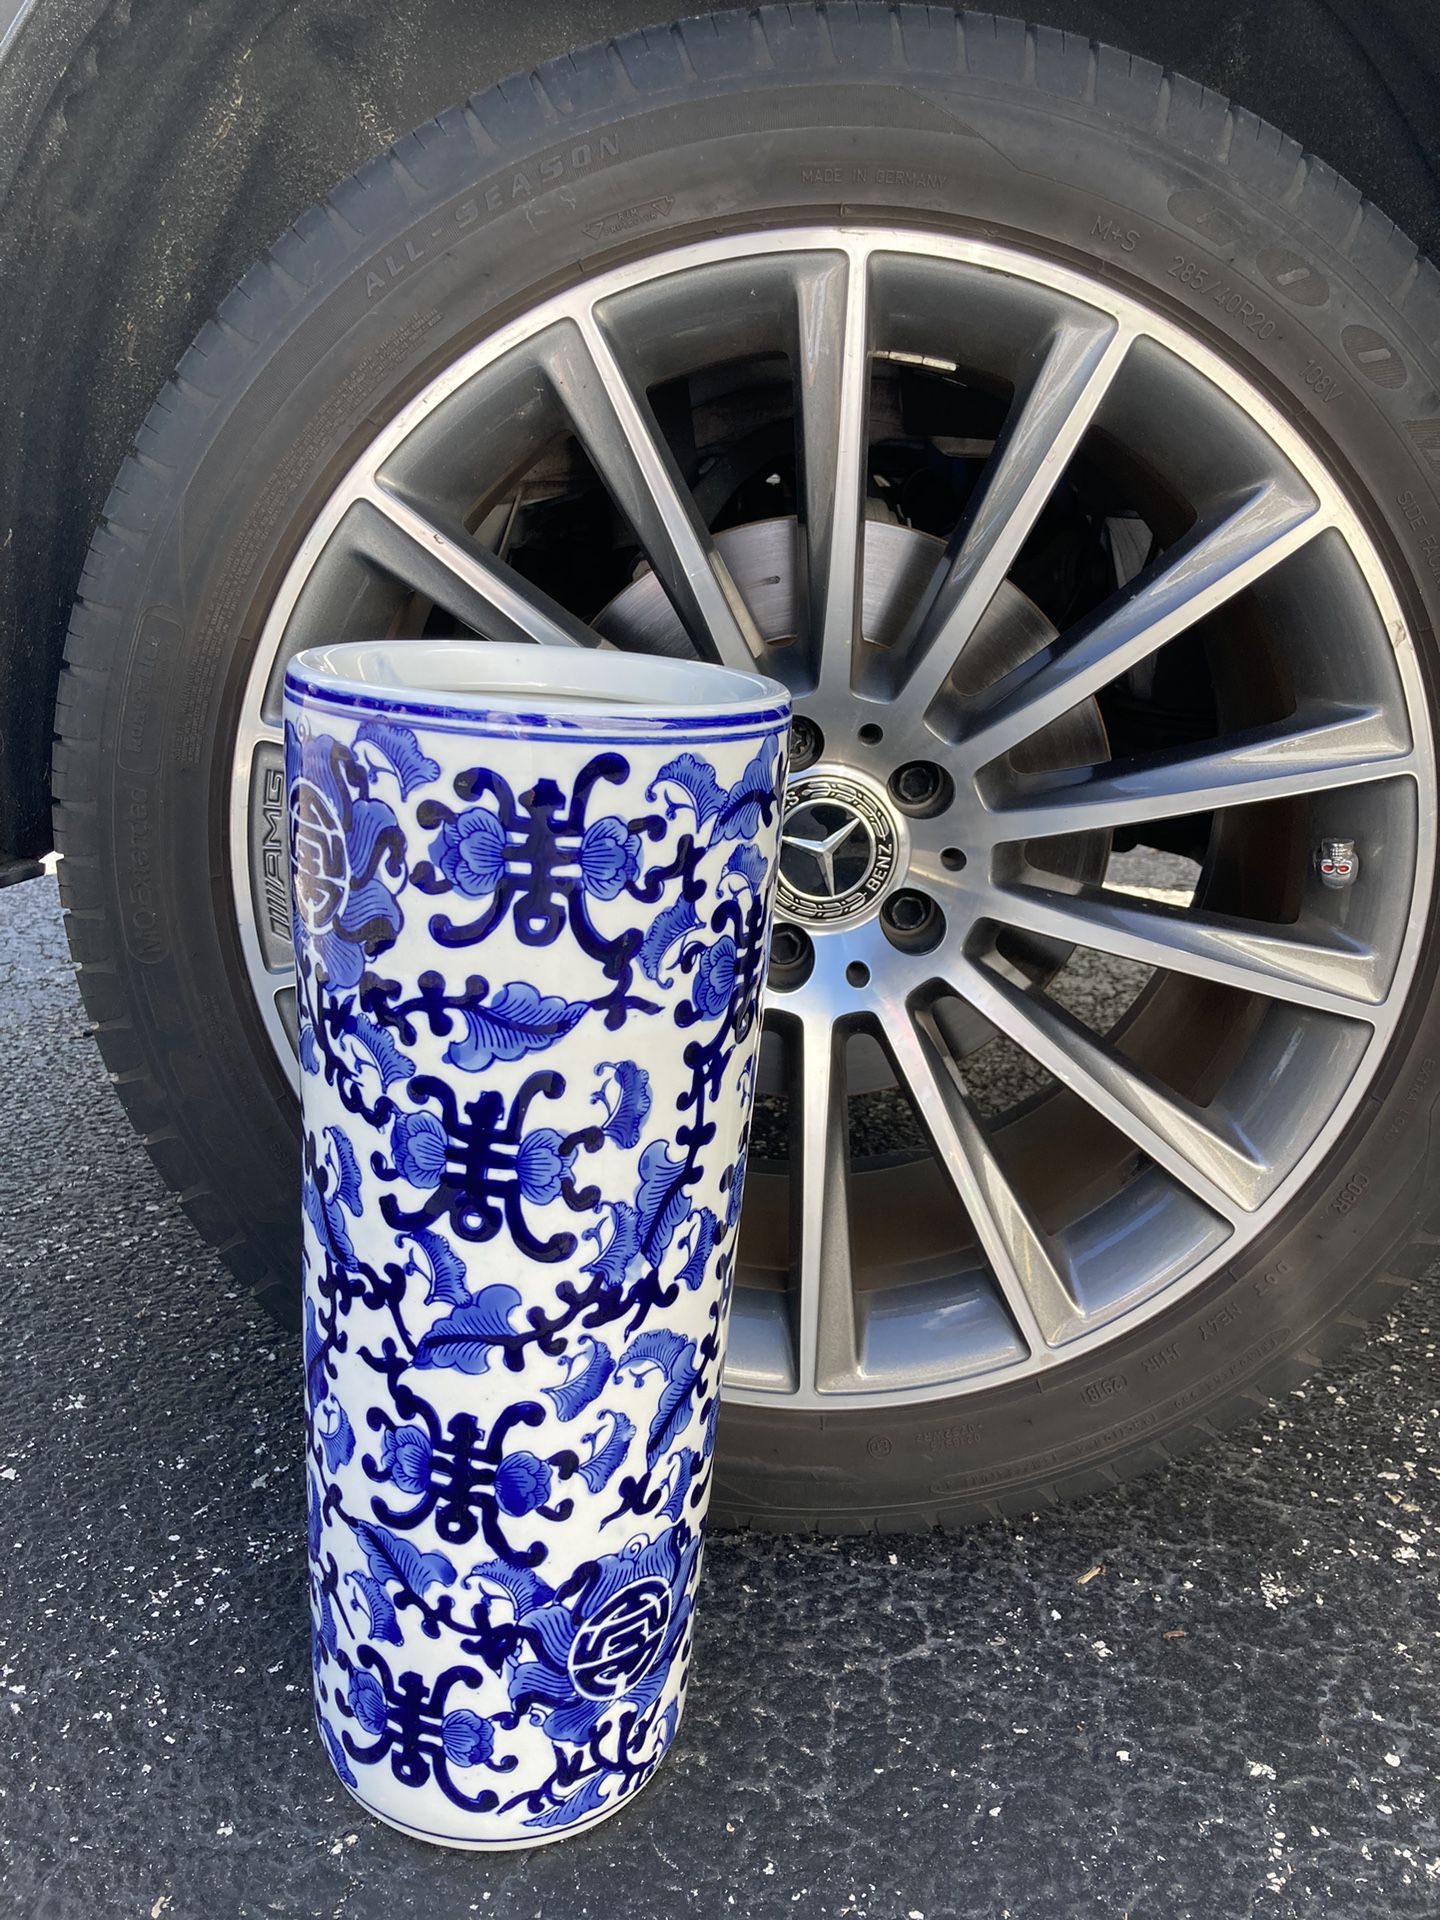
528	1024
348	860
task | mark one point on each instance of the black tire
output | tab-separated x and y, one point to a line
970	121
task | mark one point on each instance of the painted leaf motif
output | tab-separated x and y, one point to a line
614	1260
339	1759
696	780
661	1199
747	863
445	1268
600	1467
749	799
664	933
659	1348
399	748
519	1020
675	1356
588	1798
347	1170
465	1339
391	1558
674	1506
674	1412
389	1062
524	1589
325	1625
316	1384
625	1096
735	1192
582	1384
324	1210
314	1516
309	1048
380	1607
702	1229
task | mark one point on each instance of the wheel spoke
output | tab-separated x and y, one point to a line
620	433
1324	969
1216	561
467	582
833	379
824	1317
1041	1303
1190	1145
1340	746
1045	427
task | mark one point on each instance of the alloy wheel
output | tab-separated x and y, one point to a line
1062	599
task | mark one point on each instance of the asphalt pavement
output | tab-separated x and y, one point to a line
1211	1693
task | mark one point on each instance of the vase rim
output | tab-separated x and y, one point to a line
516	683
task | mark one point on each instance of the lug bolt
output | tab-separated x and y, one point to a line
788	947
921	787
807	742
906	911
917	783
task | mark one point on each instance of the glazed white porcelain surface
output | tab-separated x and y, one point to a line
531	917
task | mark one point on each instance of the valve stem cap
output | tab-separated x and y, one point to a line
1337	863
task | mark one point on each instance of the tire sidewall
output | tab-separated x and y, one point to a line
461	240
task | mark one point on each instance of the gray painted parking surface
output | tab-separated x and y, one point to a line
1211	1693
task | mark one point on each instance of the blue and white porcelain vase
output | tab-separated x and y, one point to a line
531	923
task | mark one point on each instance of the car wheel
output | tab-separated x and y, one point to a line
1067	442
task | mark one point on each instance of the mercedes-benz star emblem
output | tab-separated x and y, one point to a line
826	849
837	848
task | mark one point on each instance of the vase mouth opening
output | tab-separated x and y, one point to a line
495	678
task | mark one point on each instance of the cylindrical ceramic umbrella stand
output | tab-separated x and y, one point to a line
531	902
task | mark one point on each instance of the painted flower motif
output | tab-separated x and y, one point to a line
609	857
405	1456
715	978
522	1483
612	1644
367	1701
349	859
420	1145
468	1740
470	852
541	1166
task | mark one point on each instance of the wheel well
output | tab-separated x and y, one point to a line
150	150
